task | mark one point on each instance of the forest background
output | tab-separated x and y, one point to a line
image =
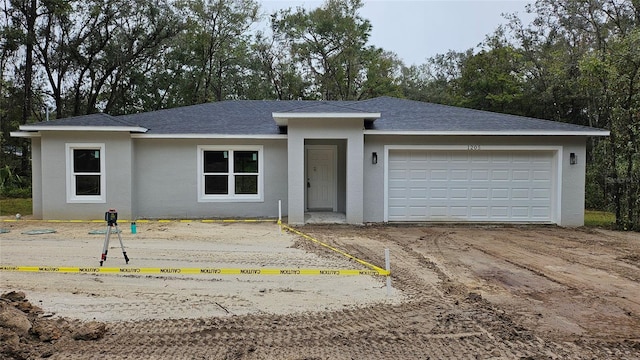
578	62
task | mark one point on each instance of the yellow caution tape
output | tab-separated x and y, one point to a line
191	271
377	269
148	220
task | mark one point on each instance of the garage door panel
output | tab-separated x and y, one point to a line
521	212
499	174
541	194
479	194
479	158
499	194
418	183
459	175
521	175
541	175
500	212
520	194
438	211
439	174
439	157
479	175
442	185
479	212
459	193
460	211
542	212
438	194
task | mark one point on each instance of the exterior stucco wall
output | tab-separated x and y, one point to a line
573	182
345	129
572	188
157	178
117	154
36	177
165	181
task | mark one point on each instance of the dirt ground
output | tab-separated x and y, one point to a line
472	292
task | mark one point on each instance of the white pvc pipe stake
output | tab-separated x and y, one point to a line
387	266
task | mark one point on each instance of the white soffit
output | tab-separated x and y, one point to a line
208	136
24	134
494	133
82	128
282	118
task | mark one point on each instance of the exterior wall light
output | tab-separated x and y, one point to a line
573	159
374	157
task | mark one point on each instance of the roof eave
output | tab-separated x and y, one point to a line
24	134
282	118
491	133
209	136
134	129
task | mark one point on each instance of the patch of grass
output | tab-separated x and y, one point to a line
599	218
15	206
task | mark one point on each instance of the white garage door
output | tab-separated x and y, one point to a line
501	186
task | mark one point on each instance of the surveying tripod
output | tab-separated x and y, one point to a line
111	217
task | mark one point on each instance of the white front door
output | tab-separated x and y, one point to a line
321	178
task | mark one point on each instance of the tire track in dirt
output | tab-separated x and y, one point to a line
497	322
440	319
420	328
578	282
517	255
547	247
357	333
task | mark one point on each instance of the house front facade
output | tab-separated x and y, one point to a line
378	160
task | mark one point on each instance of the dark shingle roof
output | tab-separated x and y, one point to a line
254	117
225	117
89	120
326	107
409	115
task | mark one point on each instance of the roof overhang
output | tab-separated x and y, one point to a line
209	136
24	134
282	118
493	133
136	129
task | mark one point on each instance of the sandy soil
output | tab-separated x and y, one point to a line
106	297
476	292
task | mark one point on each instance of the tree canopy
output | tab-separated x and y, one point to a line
577	62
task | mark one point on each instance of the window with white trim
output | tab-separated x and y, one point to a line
230	173
85	173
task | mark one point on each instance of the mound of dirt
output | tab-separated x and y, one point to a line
26	333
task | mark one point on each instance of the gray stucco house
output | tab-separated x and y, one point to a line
378	160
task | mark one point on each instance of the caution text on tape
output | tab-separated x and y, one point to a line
192	271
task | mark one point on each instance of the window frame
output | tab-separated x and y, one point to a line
72	197
231	196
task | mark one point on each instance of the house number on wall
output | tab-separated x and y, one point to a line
473	147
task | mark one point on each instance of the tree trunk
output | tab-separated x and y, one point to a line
30	16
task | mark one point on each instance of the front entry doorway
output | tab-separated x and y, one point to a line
321	175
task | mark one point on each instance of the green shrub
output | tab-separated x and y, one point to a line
599	218
13	185
15	193
15	206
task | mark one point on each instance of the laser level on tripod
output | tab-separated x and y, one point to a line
111	217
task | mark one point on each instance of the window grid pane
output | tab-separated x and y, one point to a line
246	184
87	184
86	160
216	185
245	162
216	161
